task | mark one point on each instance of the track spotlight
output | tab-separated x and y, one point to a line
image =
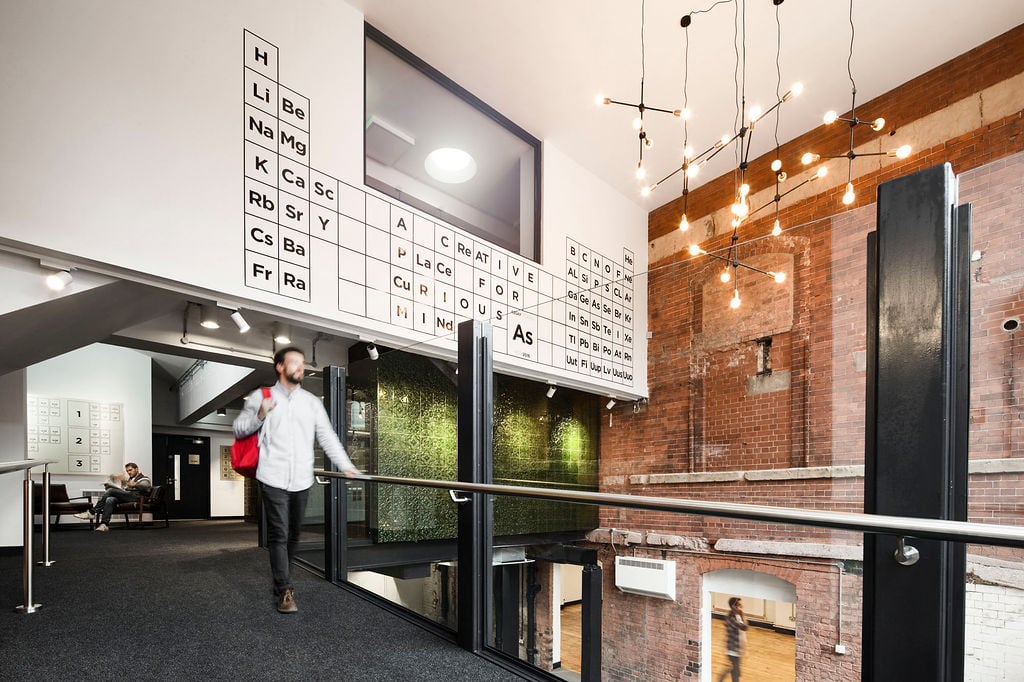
222	412
208	316
239	321
372	351
58	280
551	391
281	334
611	403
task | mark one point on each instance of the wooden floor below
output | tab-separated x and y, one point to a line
770	657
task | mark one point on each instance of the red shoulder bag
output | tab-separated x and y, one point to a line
245	453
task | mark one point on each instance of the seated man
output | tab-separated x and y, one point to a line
135	484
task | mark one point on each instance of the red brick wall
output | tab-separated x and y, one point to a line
982	67
655	640
700	417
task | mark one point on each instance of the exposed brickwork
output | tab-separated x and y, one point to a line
656	640
702	417
953	81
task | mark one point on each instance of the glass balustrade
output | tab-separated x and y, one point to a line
569	587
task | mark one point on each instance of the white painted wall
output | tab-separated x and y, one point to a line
149	164
13	434
579	205
105	374
23	282
206	383
227	498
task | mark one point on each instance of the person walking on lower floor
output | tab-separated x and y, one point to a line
288	421
135	485
735	638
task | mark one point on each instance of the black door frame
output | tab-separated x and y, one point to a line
161	446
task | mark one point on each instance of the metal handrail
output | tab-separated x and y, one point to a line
934	529
26	465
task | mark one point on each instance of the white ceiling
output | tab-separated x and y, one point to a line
542	62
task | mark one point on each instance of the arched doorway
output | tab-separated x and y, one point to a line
770	602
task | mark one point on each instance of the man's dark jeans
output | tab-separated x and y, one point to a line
112	498
284	513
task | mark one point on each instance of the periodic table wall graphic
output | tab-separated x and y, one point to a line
84	436
411	275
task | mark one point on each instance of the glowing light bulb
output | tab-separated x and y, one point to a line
735	301
849	196
725	140
686	113
903	152
695	250
641	172
646	191
780	277
638	123
601	99
776	165
725	276
684	224
744	189
755	113
830	117
776	228
691	171
688	152
878	124
809	158
797	89
740	209
822	172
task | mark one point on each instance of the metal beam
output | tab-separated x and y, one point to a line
475	429
916	426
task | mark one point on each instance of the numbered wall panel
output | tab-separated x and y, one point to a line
84	436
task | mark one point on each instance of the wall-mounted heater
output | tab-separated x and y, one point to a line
649	577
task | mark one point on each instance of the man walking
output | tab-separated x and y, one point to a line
735	638
134	486
288	421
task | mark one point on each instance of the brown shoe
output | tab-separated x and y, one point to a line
286	601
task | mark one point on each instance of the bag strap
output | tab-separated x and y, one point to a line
261	439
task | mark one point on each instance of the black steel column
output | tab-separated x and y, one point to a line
336	499
916	425
590	634
506	609
475	433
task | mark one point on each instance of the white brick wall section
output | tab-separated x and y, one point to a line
994	628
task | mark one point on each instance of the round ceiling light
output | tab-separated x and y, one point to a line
450	165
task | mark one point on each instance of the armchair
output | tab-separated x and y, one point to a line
152	503
60	503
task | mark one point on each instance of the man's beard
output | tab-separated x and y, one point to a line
296	379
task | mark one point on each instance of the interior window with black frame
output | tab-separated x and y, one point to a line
434	146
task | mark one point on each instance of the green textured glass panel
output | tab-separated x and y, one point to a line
538	442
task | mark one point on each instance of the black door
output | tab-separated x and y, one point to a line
182	465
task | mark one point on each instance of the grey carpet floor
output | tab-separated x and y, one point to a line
194	602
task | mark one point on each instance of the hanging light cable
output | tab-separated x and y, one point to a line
902	152
744	139
638	123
